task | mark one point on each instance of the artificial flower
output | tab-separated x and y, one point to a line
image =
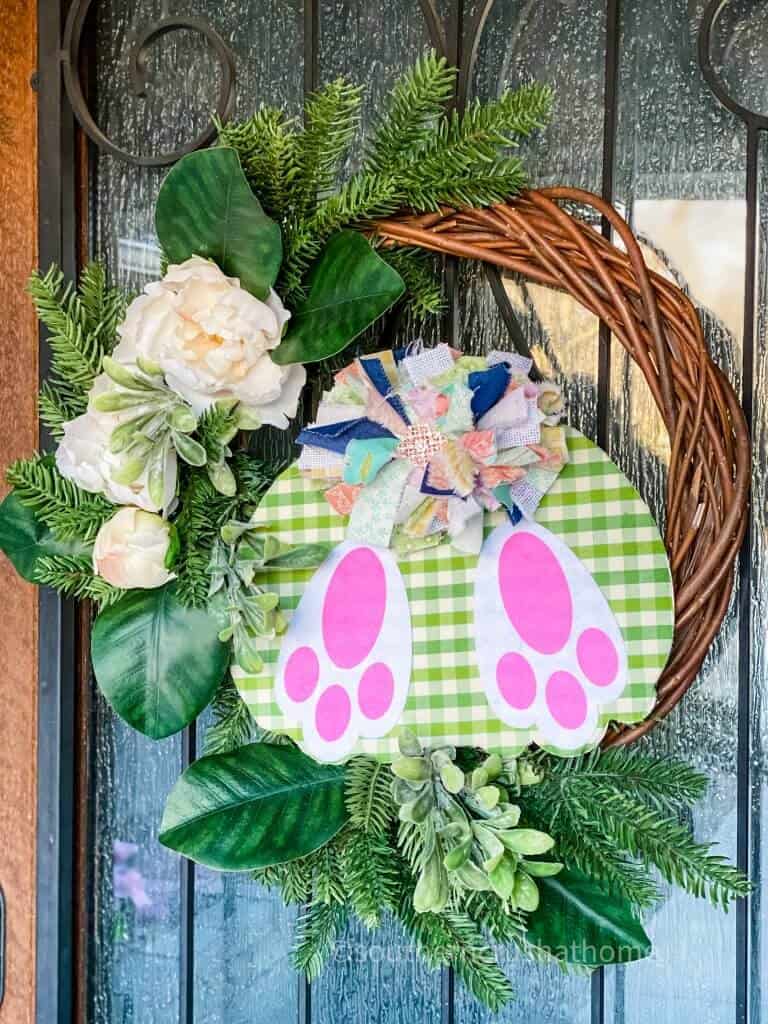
212	341
84	457
132	550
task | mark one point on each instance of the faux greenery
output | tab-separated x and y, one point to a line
421	154
582	919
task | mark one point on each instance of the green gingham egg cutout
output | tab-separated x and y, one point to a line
591	507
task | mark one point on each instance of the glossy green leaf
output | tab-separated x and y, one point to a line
349	287
157	662
581	922
24	539
261	804
206	208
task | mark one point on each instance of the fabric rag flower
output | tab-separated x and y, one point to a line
417	446
84	456
132	550
212	340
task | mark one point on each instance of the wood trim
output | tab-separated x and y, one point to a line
18	437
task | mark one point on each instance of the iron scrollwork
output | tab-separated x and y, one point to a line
70	56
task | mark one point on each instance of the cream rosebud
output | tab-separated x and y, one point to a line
132	550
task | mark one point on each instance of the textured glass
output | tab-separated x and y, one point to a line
680	178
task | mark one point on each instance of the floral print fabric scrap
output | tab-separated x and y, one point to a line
415	446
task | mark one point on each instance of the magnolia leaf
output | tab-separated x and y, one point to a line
261	804
206	208
157	662
25	539
581	922
349	287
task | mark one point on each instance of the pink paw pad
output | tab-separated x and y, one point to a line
345	661
549	648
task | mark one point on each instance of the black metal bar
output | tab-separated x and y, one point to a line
744	702
610	115
610	112
57	656
747	1005
187	903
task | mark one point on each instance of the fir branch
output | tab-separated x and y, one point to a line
331	117
233	724
368	797
203	512
316	933
267	146
416	101
82	324
362	198
73	576
646	833
370	875
70	512
420	272
453	938
328	886
662	781
55	409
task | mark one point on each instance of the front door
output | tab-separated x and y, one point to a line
660	116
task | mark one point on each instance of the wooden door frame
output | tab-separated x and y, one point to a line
18	436
38	226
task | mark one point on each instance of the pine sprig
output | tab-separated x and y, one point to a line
73	576
369	802
419	271
267	146
416	101
70	512
453	938
331	117
203	512
233	724
646	833
82	323
370	876
316	933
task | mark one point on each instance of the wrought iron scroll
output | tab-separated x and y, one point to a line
139	56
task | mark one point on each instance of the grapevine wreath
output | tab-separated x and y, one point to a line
429	640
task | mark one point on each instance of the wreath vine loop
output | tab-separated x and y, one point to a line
658	326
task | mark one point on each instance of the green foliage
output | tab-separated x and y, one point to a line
348	289
70	512
420	272
368	795
370	876
73	576
82	324
267	146
453	938
256	806
205	207
330	121
25	539
420	156
157	662
615	816
407	122
233	724
316	933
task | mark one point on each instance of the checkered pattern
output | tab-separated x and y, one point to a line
591	506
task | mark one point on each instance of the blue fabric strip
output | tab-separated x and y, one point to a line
334	437
487	387
502	494
378	377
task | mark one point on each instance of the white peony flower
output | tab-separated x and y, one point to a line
212	340
83	456
131	550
